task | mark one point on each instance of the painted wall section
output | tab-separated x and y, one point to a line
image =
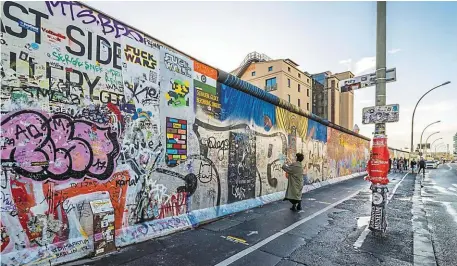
93	110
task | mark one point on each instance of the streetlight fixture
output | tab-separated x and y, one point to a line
420	147
434	142
439	146
427	141
414	112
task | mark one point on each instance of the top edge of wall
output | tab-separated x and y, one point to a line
239	84
398	150
232	81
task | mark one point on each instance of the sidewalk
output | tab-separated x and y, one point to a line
324	233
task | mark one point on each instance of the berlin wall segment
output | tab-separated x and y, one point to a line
93	109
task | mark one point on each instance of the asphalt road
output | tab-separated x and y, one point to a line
440	200
329	231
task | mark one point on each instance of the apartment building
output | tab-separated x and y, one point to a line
328	100
346	103
327	96
455	143
280	77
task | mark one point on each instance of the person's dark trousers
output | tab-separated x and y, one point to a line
296	205
421	168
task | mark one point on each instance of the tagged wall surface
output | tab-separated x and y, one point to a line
97	116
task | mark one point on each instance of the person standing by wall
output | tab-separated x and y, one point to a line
390	164
295	182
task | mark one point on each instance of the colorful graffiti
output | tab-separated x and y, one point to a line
95	111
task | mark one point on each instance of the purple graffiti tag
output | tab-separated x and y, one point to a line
88	16
57	147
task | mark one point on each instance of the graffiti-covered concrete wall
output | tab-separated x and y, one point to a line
109	138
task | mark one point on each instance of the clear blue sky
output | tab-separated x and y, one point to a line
321	36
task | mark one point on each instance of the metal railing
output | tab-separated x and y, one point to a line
271	87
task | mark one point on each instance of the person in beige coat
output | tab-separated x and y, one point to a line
295	182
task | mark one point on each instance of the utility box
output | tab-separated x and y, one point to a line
103	223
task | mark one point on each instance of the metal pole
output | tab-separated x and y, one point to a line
420	146
427	142
378	223
434	143
414	112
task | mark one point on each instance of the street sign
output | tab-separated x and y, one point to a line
380	114
366	80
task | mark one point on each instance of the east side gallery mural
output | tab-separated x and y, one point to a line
94	110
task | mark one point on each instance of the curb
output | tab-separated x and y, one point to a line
422	240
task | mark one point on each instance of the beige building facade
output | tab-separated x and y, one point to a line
282	78
279	77
346	103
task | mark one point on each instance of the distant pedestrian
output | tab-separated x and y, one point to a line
390	164
295	182
421	166
406	164
413	165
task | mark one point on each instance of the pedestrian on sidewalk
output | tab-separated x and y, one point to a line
295	182
390	164
421	166
413	165
406	164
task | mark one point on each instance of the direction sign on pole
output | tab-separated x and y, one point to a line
381	114
366	80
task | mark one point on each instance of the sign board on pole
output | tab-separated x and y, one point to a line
380	114
366	80
424	146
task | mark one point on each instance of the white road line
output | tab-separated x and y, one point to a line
282	232
358	243
396	187
451	210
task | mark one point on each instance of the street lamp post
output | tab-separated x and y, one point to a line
420	147
439	146
427	142
433	143
414	112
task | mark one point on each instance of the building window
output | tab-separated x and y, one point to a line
299	75
253	73
298	87
288	69
270	69
307	92
298	102
288	83
288	95
270	84
307	80
333	84
307	106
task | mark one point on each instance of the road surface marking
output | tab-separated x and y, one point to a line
358	243
451	210
396	187
267	240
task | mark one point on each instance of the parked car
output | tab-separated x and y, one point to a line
431	164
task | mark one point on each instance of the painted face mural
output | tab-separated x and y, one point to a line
109	138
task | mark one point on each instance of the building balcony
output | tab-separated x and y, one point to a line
271	87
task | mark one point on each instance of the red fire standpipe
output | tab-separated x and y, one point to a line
378	169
